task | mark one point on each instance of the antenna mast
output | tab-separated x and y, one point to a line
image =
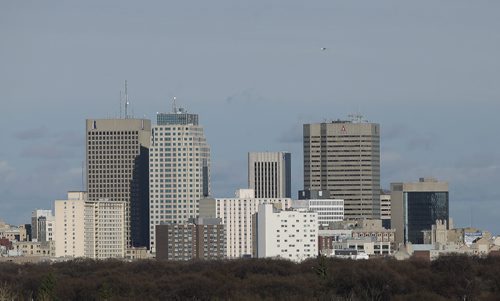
121	104
174	107
126	101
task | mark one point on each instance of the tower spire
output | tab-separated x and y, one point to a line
126	101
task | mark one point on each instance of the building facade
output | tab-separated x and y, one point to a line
39	225
385	208
415	207
289	234
70	225
104	224
329	211
201	238
236	214
343	157
117	155
179	168
269	174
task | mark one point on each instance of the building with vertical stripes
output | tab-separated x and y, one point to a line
269	174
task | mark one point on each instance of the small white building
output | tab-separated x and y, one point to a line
290	234
329	210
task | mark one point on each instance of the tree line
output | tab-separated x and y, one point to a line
447	278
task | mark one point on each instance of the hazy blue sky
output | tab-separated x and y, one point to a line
427	71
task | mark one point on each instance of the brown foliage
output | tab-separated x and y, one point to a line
448	278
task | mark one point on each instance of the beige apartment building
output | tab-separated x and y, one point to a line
69	230
93	229
117	153
343	157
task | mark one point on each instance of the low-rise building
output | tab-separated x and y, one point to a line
201	238
329	210
290	234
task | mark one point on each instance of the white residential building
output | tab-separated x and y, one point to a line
69	230
105	229
179	170
290	234
329	210
237	214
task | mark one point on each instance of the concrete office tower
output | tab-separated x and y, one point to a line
70	225
201	238
416	207
39	227
117	169
344	158
236	214
289	234
179	169
104	224
270	175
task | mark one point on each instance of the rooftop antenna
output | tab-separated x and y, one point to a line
121	104
126	101
357	118
174	107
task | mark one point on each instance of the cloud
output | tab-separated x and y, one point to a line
292	134
32	134
411	138
51	151
247	96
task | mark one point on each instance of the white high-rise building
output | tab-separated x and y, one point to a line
237	214
269	174
179	169
328	210
69	231
104	225
290	234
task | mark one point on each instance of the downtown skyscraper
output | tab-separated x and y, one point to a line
343	157
179	169
269	174
117	152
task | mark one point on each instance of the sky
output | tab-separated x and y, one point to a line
427	71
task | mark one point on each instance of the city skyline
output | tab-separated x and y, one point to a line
426	72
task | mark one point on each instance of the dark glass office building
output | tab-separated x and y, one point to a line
178	117
422	211
415	207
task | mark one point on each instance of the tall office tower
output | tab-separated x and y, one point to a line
179	169
415	207
269	174
69	231
344	158
236	214
117	170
